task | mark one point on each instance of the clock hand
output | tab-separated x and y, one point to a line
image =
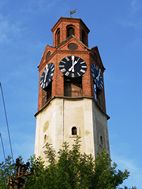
73	64
46	73
72	57
98	75
72	67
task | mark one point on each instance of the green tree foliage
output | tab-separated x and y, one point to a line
6	170
69	169
73	170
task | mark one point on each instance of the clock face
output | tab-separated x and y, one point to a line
47	75
72	66
97	76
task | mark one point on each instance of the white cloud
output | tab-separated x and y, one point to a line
41	5
135	6
7	30
132	23
133	17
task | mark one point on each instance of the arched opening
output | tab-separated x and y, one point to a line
72	86
74	131
45	139
84	37
101	140
70	30
58	36
47	94
98	95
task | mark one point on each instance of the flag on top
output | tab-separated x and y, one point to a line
72	12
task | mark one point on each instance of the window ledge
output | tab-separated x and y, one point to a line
73	136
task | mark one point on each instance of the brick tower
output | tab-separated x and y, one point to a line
71	100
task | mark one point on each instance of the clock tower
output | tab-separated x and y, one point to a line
71	98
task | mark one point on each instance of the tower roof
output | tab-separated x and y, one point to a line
73	20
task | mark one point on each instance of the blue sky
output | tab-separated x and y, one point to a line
116	28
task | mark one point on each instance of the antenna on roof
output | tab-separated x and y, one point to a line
72	12
6	120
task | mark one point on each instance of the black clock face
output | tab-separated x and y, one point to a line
72	66
97	76
47	75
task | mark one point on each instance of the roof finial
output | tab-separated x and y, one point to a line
72	12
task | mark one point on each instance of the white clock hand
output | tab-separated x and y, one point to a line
98	75
73	64
72	57
47	69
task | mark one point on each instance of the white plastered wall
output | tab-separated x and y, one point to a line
57	119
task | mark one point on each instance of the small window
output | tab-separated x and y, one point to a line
70	30
58	36
45	139
101	140
74	131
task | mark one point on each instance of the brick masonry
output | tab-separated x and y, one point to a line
61	51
